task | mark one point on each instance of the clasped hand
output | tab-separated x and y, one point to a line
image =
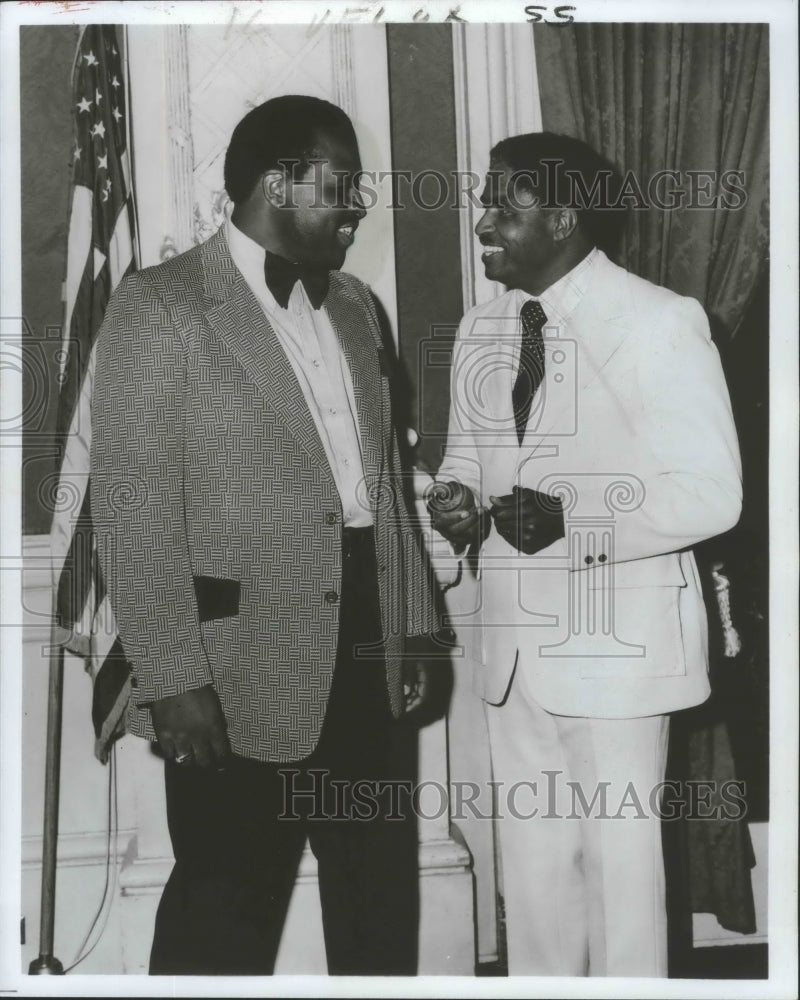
463	526
527	519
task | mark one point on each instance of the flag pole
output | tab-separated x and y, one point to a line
46	964
96	262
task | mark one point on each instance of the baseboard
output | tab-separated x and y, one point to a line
436	857
90	848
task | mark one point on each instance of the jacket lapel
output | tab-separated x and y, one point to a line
370	388
597	329
486	360
235	315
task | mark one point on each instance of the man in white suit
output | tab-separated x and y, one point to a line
591	426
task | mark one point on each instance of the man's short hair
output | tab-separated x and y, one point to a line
283	133
567	173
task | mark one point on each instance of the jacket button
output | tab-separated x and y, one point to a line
331	518
331	596
602	558
588	560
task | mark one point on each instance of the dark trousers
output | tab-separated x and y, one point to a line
238	834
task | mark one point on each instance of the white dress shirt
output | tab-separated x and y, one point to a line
310	343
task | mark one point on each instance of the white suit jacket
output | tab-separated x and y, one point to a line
632	429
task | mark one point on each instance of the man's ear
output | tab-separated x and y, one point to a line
563	223
273	187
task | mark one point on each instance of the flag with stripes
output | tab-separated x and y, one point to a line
100	251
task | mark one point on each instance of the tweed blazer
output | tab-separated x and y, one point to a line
218	521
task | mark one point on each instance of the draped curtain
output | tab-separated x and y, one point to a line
692	99
678	97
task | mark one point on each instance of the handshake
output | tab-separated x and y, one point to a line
525	518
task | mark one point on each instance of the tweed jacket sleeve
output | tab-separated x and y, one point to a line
412	570
137	492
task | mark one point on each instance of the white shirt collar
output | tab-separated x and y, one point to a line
249	257
560	300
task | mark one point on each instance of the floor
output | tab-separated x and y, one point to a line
741	961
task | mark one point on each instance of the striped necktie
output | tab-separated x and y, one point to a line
531	364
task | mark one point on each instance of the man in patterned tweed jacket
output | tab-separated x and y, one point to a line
261	565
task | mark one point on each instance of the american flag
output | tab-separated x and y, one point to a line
100	252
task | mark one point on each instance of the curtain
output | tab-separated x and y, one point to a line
692	99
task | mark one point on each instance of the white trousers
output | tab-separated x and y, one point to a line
580	838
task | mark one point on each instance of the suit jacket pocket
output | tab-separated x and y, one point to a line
648	631
216	597
657	571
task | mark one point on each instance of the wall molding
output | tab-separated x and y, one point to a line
446	856
496	95
343	69
85	848
37	562
179	129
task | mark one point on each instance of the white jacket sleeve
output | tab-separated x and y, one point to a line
684	452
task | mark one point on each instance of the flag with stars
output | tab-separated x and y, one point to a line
100	251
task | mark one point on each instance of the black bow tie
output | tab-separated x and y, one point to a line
281	274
